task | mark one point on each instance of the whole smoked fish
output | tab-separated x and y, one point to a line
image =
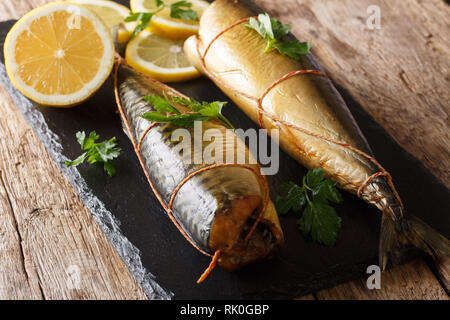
316	127
218	209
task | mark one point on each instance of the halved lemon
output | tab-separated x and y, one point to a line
111	13
59	54
163	24
160	58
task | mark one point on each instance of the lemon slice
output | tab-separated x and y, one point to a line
164	25
59	54
160	58
111	13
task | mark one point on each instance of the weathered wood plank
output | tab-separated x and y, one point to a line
49	239
442	269
307	297
413	281
14	9
15	283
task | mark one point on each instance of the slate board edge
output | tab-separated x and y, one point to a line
110	226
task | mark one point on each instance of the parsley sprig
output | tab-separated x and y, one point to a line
319	220
274	32
104	152
178	10
166	112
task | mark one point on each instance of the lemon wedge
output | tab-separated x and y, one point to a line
160	58
59	54
111	13
163	24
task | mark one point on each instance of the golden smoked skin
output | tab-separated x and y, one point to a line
216	206
238	63
237	58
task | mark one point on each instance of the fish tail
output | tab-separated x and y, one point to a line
397	233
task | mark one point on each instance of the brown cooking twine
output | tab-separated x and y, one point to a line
287	124
168	208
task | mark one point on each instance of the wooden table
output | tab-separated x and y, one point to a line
398	73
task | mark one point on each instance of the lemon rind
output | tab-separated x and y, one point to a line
123	10
106	64
138	7
152	70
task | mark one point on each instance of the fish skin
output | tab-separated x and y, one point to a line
203	196
237	59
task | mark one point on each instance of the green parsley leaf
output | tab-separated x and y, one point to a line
213	109
178	10
143	19
109	168
156	117
274	32
161	104
181	10
107	150
182	100
319	220
187	120
77	161
182	120
133	17
269	28
166	112
327	190
257	26
104	152
265	25
279	30
81	136
86	143
294	200
293	49
314	177
285	187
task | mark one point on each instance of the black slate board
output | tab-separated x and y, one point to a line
300	268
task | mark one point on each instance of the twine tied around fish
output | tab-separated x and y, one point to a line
168	208
277	120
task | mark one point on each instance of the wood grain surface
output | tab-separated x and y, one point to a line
398	73
50	245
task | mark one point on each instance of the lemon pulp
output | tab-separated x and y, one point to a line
111	14
160	58
164	25
58	56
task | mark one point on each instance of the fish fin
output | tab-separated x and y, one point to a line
398	233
